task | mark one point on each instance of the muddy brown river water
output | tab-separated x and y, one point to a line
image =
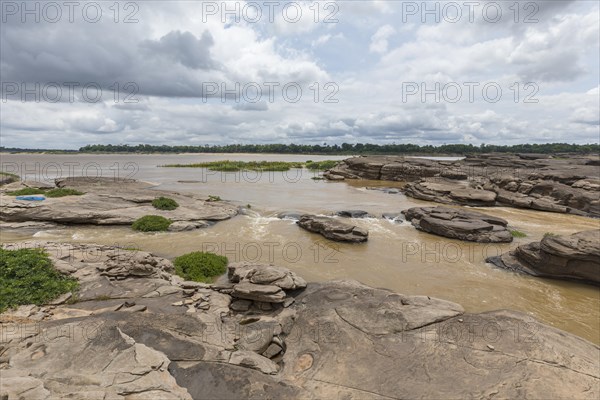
397	256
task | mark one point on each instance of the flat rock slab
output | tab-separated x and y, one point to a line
333	229
460	224
572	257
114	202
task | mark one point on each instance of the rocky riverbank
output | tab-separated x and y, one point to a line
108	201
136	331
573	257
569	184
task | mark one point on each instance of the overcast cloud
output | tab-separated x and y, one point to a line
360	71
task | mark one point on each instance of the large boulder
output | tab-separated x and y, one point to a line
573	257
460	224
333	229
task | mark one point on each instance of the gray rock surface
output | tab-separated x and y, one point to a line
460	224
569	184
112	202
572	257
333	229
338	340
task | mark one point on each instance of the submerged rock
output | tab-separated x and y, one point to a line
352	214
573	257
333	229
459	224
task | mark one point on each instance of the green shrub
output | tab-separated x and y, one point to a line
213	198
61	192
26	192
28	277
199	266
164	203
151	223
550	234
517	234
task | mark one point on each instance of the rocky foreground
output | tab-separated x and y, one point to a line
107	201
135	331
572	257
565	185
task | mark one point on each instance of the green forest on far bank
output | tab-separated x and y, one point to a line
343	149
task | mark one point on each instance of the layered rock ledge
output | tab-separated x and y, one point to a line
111	201
569	184
572	257
149	334
460	224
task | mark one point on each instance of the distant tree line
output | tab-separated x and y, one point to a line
347	148
343	149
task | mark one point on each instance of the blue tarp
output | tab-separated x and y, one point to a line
31	198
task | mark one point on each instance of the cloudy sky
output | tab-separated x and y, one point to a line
299	72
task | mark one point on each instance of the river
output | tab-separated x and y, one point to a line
396	257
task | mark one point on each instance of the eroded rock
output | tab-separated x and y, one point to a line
573	257
459	224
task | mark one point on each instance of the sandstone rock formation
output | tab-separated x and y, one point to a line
333	229
175	339
109	201
460	224
566	185
573	257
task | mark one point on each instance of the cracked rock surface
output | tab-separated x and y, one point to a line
150	334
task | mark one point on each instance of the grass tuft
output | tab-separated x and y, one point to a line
164	203
517	234
62	192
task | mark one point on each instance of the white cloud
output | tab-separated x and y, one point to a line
379	41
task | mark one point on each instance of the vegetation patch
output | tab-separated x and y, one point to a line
164	203
199	266
213	198
550	234
26	192
59	192
234	166
151	223
517	234
62	192
320	165
27	276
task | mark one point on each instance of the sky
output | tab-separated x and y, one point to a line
216	72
